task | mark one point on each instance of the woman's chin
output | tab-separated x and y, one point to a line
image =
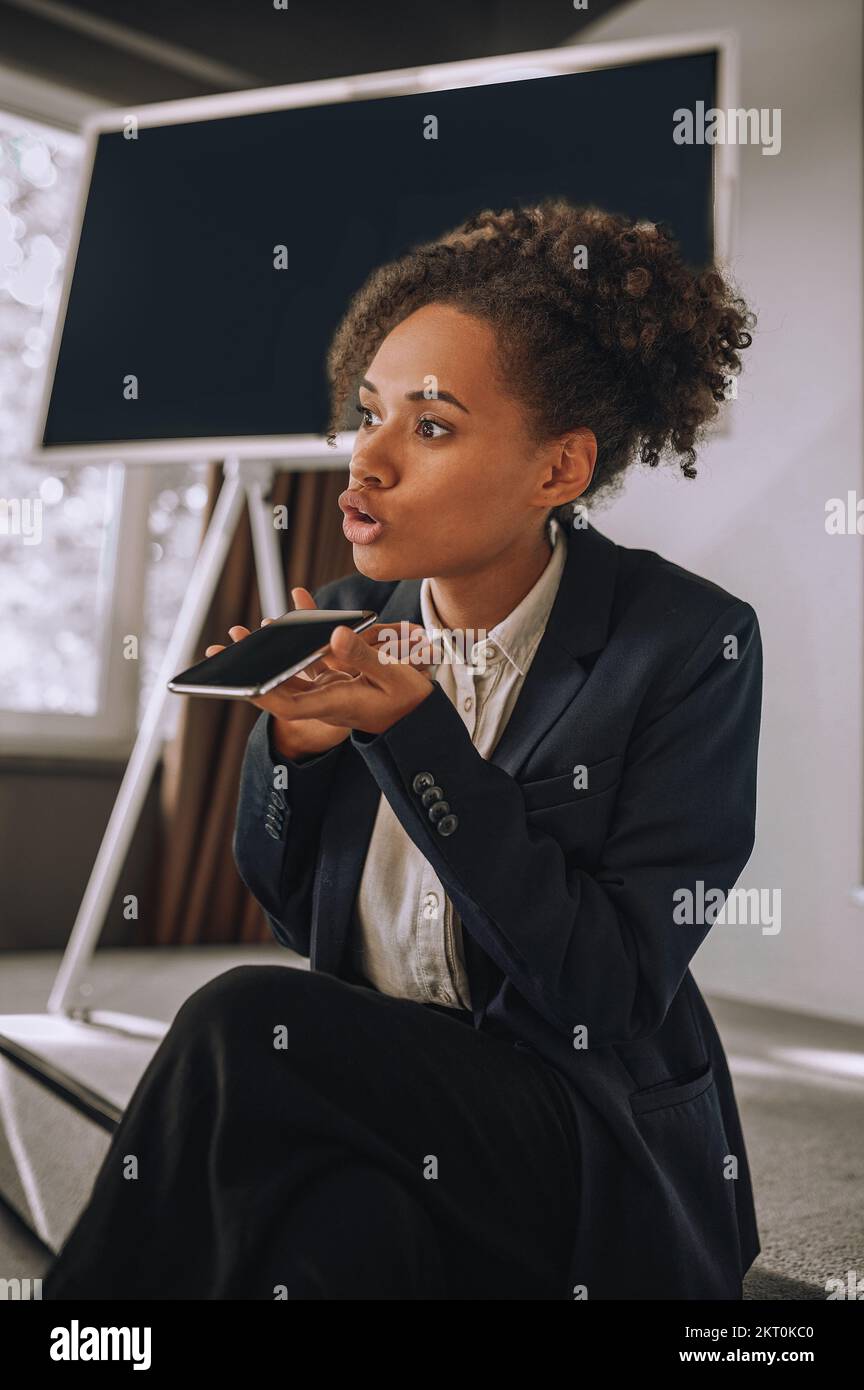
375	562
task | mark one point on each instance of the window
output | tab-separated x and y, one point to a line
73	590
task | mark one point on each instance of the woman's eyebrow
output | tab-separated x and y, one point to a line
421	396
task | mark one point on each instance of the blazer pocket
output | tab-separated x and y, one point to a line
559	791
664	1095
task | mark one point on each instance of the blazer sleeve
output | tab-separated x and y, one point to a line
599	949
277	830
278	827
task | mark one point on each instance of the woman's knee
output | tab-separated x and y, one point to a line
232	993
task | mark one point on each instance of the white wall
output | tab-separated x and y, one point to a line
754	520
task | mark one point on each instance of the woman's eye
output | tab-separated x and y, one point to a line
364	410
425	420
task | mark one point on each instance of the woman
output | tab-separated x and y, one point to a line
500	850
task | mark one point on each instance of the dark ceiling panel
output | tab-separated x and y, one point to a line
219	45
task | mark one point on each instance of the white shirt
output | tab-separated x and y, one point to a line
407	933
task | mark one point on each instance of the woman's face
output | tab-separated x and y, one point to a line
453	479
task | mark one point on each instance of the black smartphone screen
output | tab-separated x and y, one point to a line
270	650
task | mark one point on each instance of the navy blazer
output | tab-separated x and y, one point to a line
568	886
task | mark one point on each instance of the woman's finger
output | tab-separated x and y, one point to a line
329	702
235	633
348	652
303	599
292	685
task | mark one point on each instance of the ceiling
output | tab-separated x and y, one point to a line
122	53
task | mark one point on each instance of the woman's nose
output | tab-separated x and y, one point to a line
372	460
366	471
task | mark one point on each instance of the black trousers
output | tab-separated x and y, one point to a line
299	1136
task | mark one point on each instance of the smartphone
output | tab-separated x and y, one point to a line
264	659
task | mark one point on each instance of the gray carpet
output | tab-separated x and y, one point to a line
799	1082
800	1087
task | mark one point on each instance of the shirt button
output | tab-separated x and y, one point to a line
443	993
468	702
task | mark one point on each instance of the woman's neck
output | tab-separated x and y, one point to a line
481	599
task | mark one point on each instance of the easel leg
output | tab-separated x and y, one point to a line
148	744
265	543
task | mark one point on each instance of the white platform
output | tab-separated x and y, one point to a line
63	1089
64	1084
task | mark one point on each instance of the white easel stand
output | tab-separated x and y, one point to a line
246	481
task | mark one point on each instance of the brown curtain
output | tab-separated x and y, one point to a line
201	897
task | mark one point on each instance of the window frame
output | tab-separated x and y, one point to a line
108	734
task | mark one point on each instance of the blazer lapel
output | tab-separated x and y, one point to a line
578	625
345	834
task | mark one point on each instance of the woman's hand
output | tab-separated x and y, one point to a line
300	738
296	733
375	683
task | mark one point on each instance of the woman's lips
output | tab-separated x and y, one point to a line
359	528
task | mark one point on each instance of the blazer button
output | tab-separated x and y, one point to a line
431	795
422	781
272	832
438	811
447	825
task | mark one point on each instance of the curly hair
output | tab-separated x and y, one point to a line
637	346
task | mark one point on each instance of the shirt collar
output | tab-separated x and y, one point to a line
517	635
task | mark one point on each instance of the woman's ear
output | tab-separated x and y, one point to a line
572	467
